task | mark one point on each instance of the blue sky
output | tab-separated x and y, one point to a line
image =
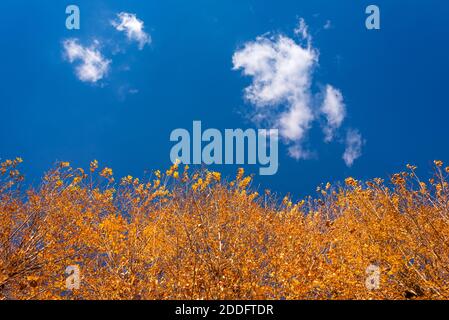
393	83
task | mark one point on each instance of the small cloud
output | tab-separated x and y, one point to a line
302	30
133	27
92	65
125	90
334	110
353	149
280	90
327	25
297	152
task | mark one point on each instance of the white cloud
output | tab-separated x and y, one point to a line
327	25
353	149
280	93
133	27
303	31
280	90
334	110
92	65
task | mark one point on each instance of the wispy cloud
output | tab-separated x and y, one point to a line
333	108
132	27
126	90
303	30
353	148
92	65
327	25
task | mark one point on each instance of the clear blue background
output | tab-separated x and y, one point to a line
394	82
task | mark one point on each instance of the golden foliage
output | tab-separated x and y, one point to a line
183	235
